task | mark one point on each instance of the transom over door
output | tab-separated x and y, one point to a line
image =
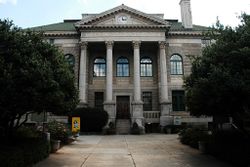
122	107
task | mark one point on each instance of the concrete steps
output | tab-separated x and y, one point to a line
122	126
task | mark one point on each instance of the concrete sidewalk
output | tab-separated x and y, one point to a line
154	150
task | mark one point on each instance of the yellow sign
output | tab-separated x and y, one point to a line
75	124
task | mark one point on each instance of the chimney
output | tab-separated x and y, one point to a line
186	14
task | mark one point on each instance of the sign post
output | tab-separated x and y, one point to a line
75	124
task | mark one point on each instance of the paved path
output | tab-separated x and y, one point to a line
154	150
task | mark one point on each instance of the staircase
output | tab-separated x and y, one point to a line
122	126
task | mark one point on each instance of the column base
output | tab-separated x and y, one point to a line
137	115
166	107
166	118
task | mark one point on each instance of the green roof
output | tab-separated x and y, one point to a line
177	26
62	26
68	25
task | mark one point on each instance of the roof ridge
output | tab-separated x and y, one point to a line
117	9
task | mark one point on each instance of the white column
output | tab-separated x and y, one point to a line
109	74
137	83
164	72
82	73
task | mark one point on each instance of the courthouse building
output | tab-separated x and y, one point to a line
131	63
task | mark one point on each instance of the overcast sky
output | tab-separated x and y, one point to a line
30	13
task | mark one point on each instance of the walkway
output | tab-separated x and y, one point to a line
154	150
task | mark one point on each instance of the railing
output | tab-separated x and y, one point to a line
151	116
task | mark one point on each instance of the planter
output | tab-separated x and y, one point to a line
55	145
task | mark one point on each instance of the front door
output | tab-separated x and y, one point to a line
122	107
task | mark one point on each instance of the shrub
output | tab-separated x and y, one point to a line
111	129
24	152
191	136
231	146
59	131
27	132
135	129
92	119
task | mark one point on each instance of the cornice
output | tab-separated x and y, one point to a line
61	34
185	33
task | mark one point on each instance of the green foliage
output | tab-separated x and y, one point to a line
111	129
219	84
231	146
135	129
191	136
92	119
34	76
27	132
24	152
59	131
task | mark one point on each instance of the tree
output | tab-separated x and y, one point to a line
34	77
219	84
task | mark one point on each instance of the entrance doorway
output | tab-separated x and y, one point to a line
122	107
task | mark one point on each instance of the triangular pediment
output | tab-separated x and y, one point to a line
122	16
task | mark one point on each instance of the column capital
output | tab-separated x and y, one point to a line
109	44
136	44
83	44
162	44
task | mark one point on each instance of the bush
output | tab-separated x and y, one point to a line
135	129
191	136
231	146
59	131
27	132
92	119
111	129
24	152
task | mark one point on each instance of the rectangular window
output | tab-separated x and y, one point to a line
99	99
147	101
178	100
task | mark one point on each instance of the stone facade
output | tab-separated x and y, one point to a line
126	33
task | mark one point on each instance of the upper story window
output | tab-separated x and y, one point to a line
122	67
99	67
71	61
176	65
146	67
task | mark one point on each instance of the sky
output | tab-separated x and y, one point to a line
31	13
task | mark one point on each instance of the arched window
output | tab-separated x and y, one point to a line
99	67
146	67
70	60
122	67
176	65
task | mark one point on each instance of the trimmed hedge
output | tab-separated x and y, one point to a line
92	119
24	152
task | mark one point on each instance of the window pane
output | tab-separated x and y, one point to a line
122	67
149	70
147	101
176	65
70	60
178	100
99	67
146	67
143	70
